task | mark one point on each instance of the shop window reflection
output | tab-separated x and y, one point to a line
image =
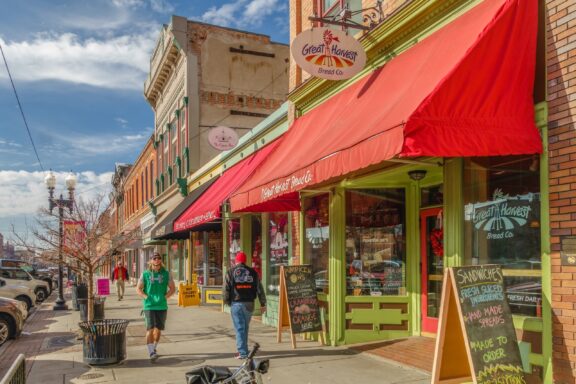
278	242
375	242
233	241
257	245
502	224
316	244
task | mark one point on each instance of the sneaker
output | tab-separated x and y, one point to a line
240	357
154	356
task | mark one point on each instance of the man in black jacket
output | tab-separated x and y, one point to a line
240	290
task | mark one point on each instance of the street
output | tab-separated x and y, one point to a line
193	336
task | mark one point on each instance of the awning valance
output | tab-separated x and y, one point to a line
466	90
207	207
164	229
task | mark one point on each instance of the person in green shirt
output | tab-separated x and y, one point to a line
155	286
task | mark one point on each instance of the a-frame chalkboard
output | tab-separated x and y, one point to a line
476	338
298	310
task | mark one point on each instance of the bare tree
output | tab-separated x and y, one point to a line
94	241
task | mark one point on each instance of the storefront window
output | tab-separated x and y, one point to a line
198	257
317	244
278	252
502	224
375	242
214	262
431	196
233	240
257	244
174	253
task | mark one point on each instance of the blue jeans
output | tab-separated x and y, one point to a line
241	318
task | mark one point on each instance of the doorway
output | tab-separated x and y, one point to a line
432	266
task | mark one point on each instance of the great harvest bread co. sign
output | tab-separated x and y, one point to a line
328	54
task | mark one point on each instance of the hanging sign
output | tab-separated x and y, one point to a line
476	338
328	54
223	138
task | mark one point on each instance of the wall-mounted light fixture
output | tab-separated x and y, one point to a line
417	175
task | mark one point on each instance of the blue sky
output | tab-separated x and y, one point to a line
79	68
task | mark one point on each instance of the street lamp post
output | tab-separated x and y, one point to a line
61	203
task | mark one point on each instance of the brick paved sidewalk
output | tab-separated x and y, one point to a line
35	335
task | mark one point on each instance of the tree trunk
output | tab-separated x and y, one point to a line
90	293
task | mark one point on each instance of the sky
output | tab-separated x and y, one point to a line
79	67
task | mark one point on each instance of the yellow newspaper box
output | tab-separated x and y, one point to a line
188	295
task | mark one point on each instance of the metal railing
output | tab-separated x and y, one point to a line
17	372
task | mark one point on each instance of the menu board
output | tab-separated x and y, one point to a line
301	298
474	306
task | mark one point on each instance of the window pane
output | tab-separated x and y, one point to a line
257	244
317	245
278	236
214	258
431	196
233	241
502	224
375	242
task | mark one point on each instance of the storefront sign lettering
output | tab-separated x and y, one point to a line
328	53
500	217
205	217
287	185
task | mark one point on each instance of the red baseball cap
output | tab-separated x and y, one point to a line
241	257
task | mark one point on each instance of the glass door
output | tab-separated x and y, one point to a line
432	257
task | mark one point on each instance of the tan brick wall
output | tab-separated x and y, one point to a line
561	51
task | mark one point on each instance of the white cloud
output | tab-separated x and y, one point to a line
23	193
120	62
225	15
76	145
242	13
258	10
161	6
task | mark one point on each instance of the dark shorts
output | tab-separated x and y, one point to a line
155	319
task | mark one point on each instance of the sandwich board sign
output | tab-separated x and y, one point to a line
299	311
476	339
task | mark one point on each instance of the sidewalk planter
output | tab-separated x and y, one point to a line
98	308
79	291
104	341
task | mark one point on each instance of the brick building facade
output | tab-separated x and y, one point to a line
561	72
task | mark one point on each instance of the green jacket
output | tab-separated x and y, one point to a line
155	286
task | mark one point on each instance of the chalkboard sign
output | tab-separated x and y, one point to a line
476	323
301	298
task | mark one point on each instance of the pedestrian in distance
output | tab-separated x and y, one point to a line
241	289
120	274
155	286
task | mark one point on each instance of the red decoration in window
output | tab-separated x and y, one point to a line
437	241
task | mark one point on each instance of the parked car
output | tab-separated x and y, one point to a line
13	290
47	276
40	287
11	319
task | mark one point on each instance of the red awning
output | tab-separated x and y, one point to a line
465	90
207	208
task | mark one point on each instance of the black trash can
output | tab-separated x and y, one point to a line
79	291
98	308
104	341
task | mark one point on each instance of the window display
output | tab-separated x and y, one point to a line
233	240
278	236
316	244
257	245
375	242
502	224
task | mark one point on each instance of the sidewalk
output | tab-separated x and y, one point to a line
197	335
